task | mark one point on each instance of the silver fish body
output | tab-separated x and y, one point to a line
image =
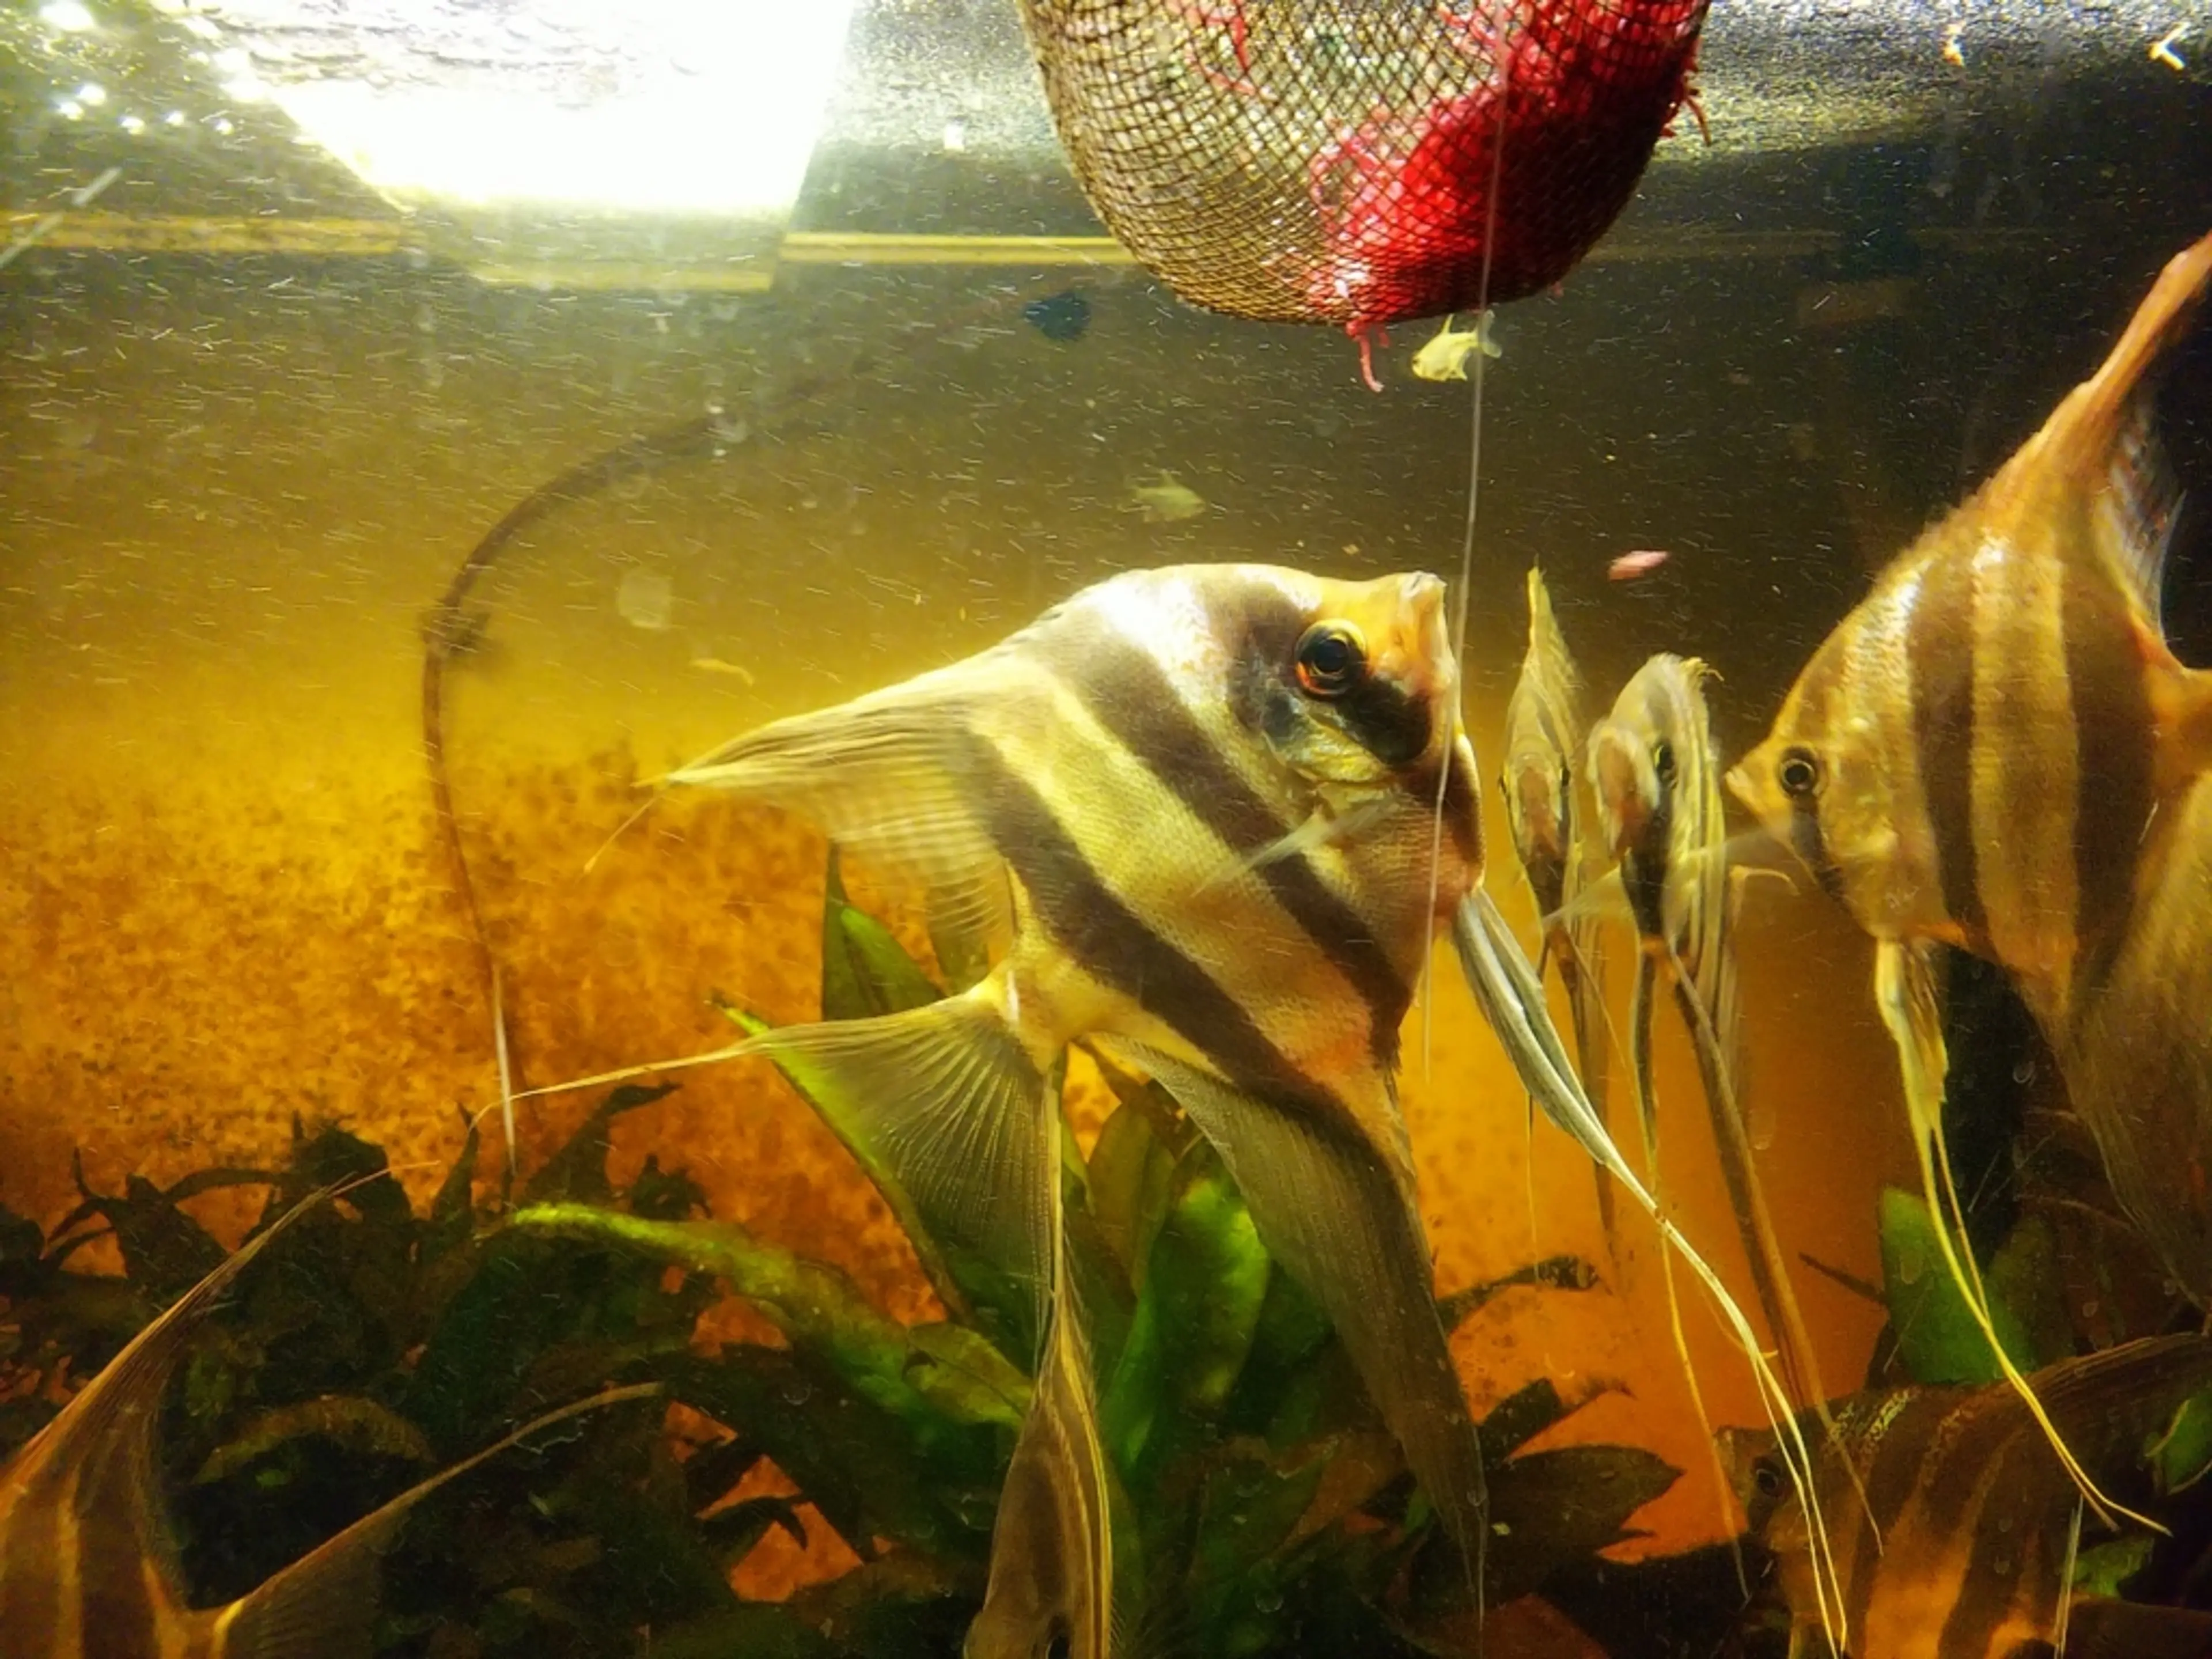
1540	779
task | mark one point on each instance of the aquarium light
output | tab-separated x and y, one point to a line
717	115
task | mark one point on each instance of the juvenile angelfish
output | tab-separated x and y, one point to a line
1992	752
1199	807
89	1568
1541	780
1656	775
1960	1548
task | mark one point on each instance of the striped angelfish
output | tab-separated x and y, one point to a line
1540	778
1963	1547
1209	820
1197	807
1991	752
89	1568
1655	768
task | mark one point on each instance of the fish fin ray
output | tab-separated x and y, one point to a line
1336	1218
943	1100
2110	1401
1321	828
2138	510
320	1607
109	1426
885	776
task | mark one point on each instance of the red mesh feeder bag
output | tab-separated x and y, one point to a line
1351	162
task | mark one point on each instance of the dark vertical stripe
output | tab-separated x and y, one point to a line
2113	736
1893	1463
1939	654
1130	697
1084	918
2003	1544
1386	721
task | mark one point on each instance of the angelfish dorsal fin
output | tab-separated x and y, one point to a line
2138	508
323	1605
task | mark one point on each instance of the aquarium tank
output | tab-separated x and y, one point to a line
1104	828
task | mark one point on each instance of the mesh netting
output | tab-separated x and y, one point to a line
1333	162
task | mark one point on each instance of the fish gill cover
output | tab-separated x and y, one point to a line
1262	1507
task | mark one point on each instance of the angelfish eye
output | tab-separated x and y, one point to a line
1332	659
1662	763
1799	774
1766	1475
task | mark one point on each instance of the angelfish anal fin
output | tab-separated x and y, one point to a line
1052	1548
1334	1217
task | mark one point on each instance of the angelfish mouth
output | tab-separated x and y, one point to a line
1796	824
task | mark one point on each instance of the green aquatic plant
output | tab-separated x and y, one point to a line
1267	1510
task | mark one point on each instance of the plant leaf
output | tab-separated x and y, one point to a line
1551	1508
2183	1454
865	969
579	1170
1204	1287
1558	1273
1938	1339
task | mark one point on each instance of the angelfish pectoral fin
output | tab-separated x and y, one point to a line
323	1605
1335	1219
949	1114
1512	1000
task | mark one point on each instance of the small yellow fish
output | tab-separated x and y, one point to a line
1167	500
89	1568
1960	1548
723	665
1444	356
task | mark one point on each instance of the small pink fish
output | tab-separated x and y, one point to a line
1629	566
